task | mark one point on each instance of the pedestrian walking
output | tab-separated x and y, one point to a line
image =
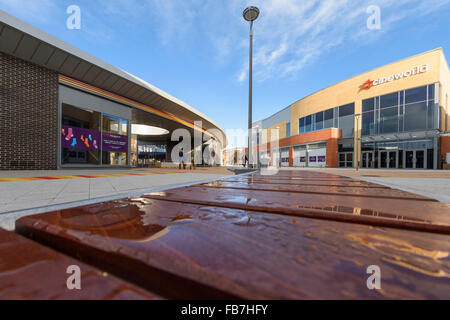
182	161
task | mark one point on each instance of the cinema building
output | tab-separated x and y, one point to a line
393	117
63	108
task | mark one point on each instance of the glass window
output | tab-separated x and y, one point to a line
389	100
328	118
115	141
368	105
368	125
301	126
115	125
347	124
80	136
416	95
319	121
346	147
415	117
431	92
288	129
347	120
347	110
114	158
336	117
308	124
389	120
431	123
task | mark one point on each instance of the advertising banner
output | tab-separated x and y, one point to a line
77	138
115	142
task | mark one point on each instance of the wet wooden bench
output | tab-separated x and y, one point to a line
295	235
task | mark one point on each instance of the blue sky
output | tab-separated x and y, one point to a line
198	50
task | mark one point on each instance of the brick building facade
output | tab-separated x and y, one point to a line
63	108
28	115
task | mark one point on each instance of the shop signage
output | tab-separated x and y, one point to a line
115	142
406	74
77	138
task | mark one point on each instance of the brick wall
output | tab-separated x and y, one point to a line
332	152
28	115
445	147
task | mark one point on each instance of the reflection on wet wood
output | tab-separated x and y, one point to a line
325	183
31	271
192	251
315	189
415	215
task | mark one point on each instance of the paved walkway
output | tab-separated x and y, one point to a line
29	192
429	183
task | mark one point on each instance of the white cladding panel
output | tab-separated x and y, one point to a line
300	157
317	157
284	155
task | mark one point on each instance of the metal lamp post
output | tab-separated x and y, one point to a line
357	140
250	14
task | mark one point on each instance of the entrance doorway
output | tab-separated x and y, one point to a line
345	160
388	159
415	159
368	159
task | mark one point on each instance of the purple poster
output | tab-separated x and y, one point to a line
115	142
312	159
77	138
302	159
322	159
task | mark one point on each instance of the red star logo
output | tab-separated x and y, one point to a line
367	85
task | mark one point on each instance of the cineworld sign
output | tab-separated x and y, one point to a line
417	70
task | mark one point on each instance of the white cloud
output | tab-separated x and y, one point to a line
289	34
305	30
35	10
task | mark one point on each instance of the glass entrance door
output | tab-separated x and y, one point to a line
368	160
345	159
388	159
409	159
383	159
415	159
420	159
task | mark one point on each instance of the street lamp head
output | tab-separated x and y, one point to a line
251	13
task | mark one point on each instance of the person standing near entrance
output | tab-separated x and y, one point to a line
181	156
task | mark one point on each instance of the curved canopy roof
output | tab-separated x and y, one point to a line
29	43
